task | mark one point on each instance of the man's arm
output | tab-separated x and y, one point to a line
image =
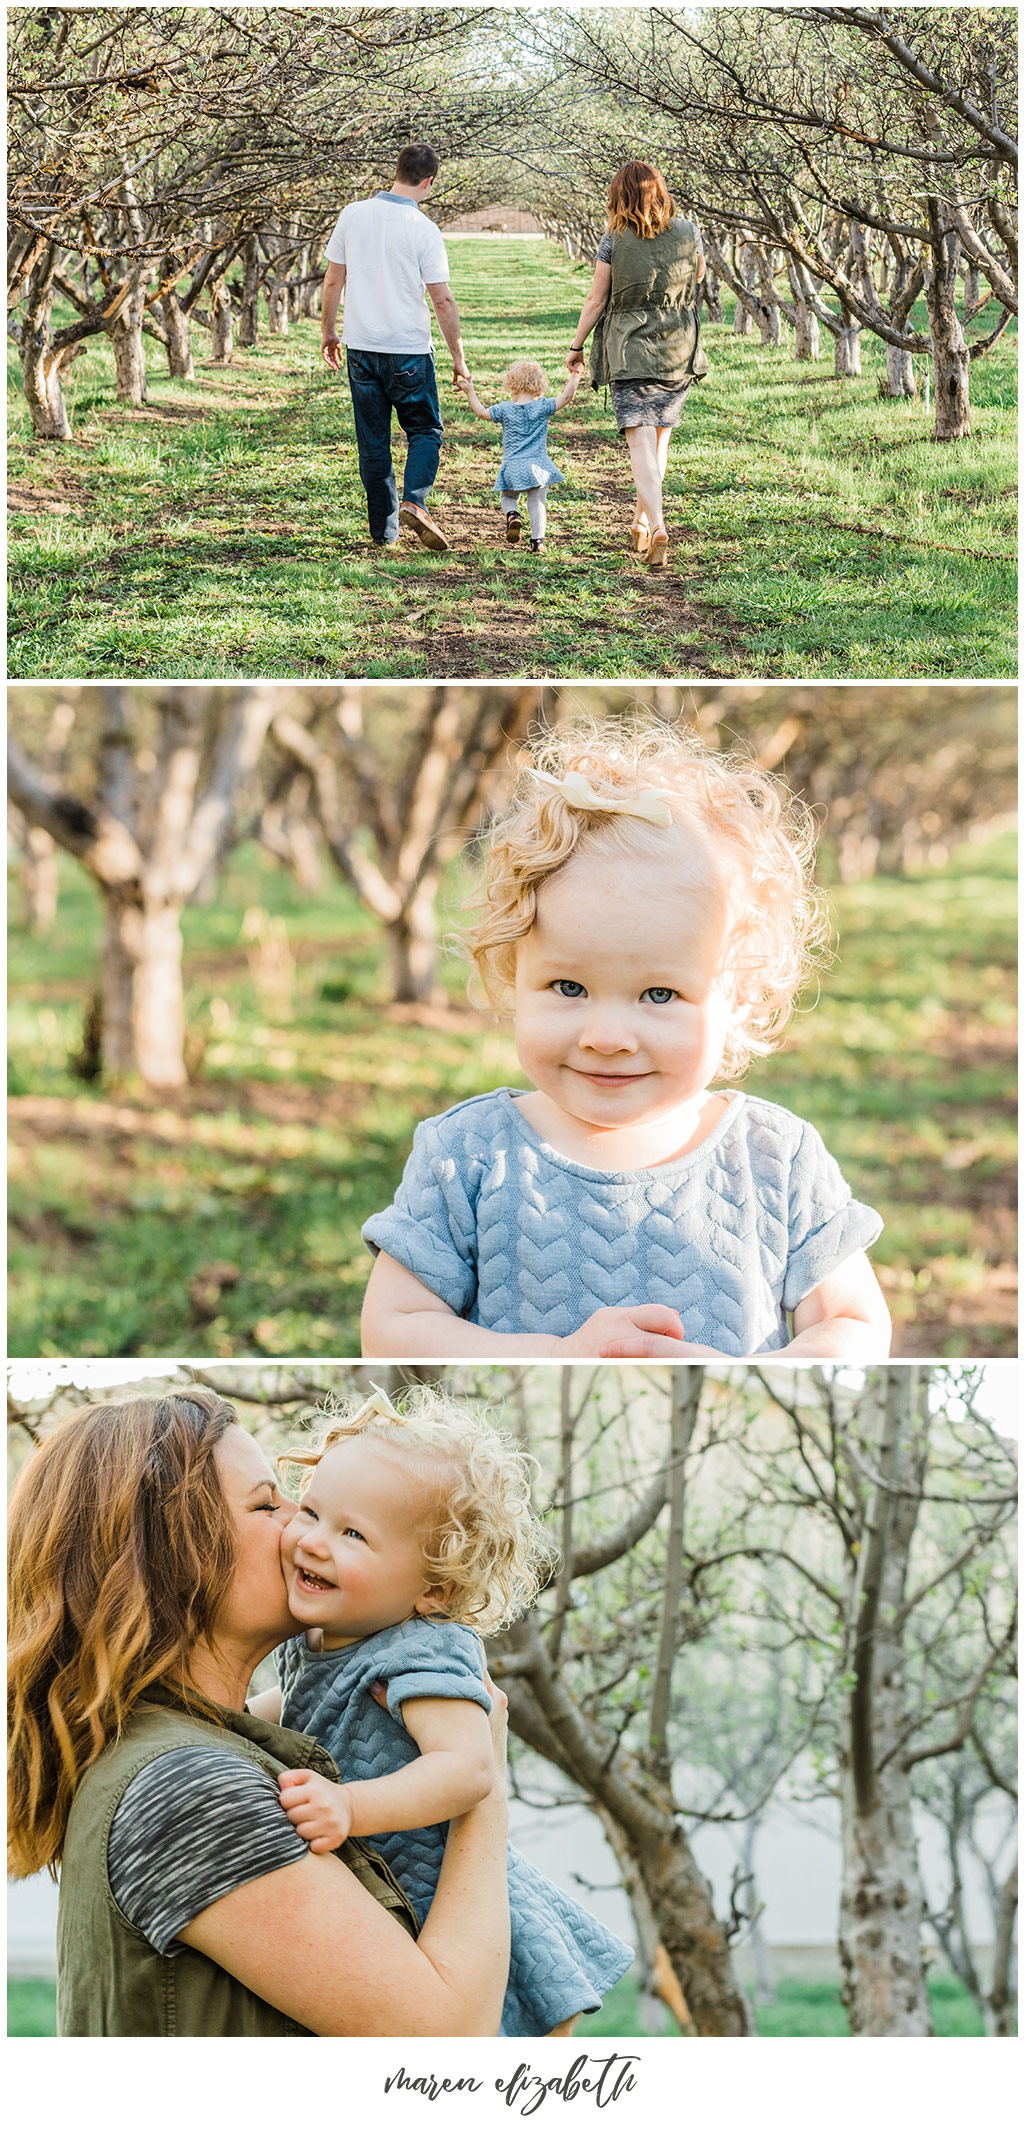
446	311
334	282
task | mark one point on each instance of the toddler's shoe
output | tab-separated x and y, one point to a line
537	547
513	527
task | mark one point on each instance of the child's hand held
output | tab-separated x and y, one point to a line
318	1810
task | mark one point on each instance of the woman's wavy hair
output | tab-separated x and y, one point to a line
525	375
639	199
121	1547
779	927
481	1538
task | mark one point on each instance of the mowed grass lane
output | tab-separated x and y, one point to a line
220	530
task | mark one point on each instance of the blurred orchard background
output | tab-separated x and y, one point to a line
233	992
707	1746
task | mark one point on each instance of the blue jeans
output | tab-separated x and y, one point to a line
405	384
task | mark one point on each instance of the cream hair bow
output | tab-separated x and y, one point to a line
648	806
378	1403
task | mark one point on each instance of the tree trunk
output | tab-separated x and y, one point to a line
1000	2010
769	317
742	322
143	994
972	286
807	337
881	1905
179	338
40	369
248	321
690	1933
900	382
765	1992
222	339
848	350
950	359
39	879
412	945
277	308
129	354
713	296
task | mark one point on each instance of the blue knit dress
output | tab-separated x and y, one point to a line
524	435
563	1961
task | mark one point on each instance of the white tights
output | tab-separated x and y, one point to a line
535	504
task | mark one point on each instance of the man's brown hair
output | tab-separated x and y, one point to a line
417	162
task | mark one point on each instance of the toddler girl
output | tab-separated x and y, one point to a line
647	910
525	468
413	1536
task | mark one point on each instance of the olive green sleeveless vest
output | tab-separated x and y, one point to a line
650	328
110	1981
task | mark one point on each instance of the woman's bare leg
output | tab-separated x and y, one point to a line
565	2028
644	445
663	436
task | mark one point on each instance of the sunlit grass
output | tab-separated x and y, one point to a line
221	530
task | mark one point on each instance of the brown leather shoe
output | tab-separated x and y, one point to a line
420	522
657	551
639	539
513	527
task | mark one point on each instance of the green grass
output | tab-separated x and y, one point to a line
221	530
292	1133
31	2006
801	2009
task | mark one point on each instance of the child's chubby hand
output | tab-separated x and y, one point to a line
463	381
316	1808
633	1332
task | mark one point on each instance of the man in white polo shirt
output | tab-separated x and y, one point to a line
389	258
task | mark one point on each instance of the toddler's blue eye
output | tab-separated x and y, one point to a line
659	995
350	1533
567	988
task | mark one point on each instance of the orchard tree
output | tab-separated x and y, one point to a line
417	785
149	821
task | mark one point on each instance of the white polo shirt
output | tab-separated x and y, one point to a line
391	251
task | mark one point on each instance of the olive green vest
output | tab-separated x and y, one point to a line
110	1981
649	329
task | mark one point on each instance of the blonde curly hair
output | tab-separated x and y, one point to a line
482	1538
779	928
524	376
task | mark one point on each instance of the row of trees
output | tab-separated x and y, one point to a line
173	165
772	1584
151	789
844	162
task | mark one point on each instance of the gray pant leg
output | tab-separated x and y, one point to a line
509	501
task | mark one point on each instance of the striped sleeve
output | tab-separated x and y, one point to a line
194	1824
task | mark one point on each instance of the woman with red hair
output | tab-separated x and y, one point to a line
643	301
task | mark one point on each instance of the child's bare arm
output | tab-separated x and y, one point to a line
466	385
570	390
845	1317
453	1771
404	1320
266	1705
